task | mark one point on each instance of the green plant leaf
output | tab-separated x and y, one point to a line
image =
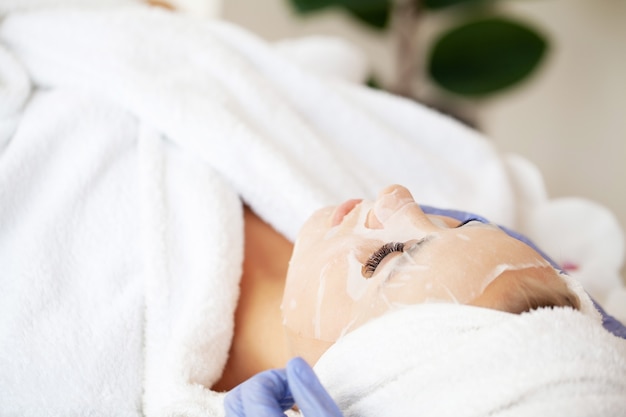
374	13
485	56
372	82
440	4
306	6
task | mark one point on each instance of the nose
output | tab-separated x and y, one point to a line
389	201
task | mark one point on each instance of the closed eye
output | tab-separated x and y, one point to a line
377	257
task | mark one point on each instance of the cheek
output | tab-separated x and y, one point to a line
316	300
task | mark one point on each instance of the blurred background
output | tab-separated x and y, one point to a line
565	111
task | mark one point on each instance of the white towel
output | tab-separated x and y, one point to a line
121	179
457	361
194	81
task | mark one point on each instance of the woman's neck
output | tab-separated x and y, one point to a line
259	342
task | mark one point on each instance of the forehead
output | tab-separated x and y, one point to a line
478	245
443	221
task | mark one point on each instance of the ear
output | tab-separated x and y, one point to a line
520	291
504	293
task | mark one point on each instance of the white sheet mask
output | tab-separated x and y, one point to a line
332	297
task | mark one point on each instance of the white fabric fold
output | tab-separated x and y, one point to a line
193	81
14	91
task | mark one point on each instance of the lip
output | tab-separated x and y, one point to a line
343	210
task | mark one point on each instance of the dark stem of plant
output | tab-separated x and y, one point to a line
404	25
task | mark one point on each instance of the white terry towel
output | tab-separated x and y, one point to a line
449	360
225	95
132	138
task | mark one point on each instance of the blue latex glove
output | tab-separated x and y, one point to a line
270	393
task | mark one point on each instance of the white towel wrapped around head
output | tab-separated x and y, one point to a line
453	360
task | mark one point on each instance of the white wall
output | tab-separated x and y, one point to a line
571	119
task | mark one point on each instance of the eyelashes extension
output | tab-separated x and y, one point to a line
377	257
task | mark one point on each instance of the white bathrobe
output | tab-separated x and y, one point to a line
129	138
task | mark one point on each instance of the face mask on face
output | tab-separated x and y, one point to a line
387	254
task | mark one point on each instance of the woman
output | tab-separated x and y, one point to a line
354	262
359	260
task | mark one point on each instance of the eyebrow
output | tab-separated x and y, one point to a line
417	245
471	219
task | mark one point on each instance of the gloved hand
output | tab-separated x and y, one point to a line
270	393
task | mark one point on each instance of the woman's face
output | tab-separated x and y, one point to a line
354	262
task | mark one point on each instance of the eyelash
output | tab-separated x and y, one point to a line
377	257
